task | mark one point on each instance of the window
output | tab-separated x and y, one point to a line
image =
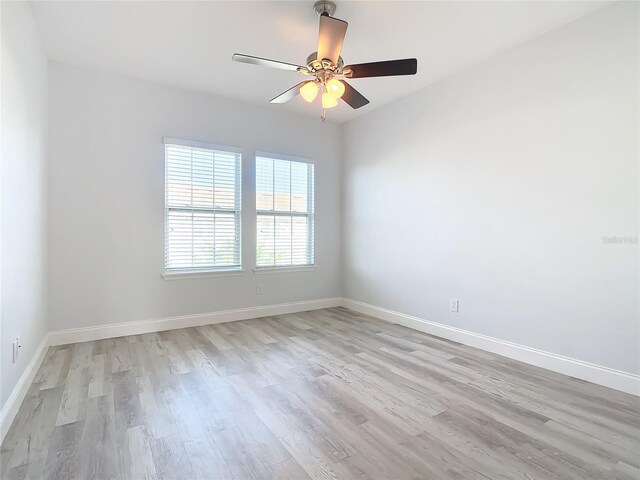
284	204
202	207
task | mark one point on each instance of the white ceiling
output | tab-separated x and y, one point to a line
189	44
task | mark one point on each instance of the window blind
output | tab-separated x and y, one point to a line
284	207
202	208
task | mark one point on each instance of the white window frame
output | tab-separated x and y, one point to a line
196	272
310	214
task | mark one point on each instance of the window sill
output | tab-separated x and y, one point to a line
301	268
202	274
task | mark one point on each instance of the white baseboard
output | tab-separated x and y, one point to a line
86	334
608	377
10	408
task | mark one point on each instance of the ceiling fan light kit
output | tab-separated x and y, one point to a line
327	67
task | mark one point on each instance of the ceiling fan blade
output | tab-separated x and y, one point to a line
408	66
289	94
353	97
264	62
331	37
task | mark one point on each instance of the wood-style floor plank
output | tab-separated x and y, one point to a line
328	394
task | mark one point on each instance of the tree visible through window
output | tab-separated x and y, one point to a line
284	204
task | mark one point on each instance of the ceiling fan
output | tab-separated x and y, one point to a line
327	67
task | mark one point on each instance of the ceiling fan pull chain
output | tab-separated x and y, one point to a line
323	117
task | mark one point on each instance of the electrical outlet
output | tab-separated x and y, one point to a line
454	305
259	289
16	345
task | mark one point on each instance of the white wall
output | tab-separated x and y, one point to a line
106	198
496	186
23	188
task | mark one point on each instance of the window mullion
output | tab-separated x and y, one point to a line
213	199
290	219
273	206
191	151
274	240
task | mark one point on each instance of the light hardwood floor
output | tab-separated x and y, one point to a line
328	394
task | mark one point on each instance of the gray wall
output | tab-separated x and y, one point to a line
106	199
497	185
23	263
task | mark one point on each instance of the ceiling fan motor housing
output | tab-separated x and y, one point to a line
313	57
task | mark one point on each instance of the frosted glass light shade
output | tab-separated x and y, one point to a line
328	100
335	88
309	91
